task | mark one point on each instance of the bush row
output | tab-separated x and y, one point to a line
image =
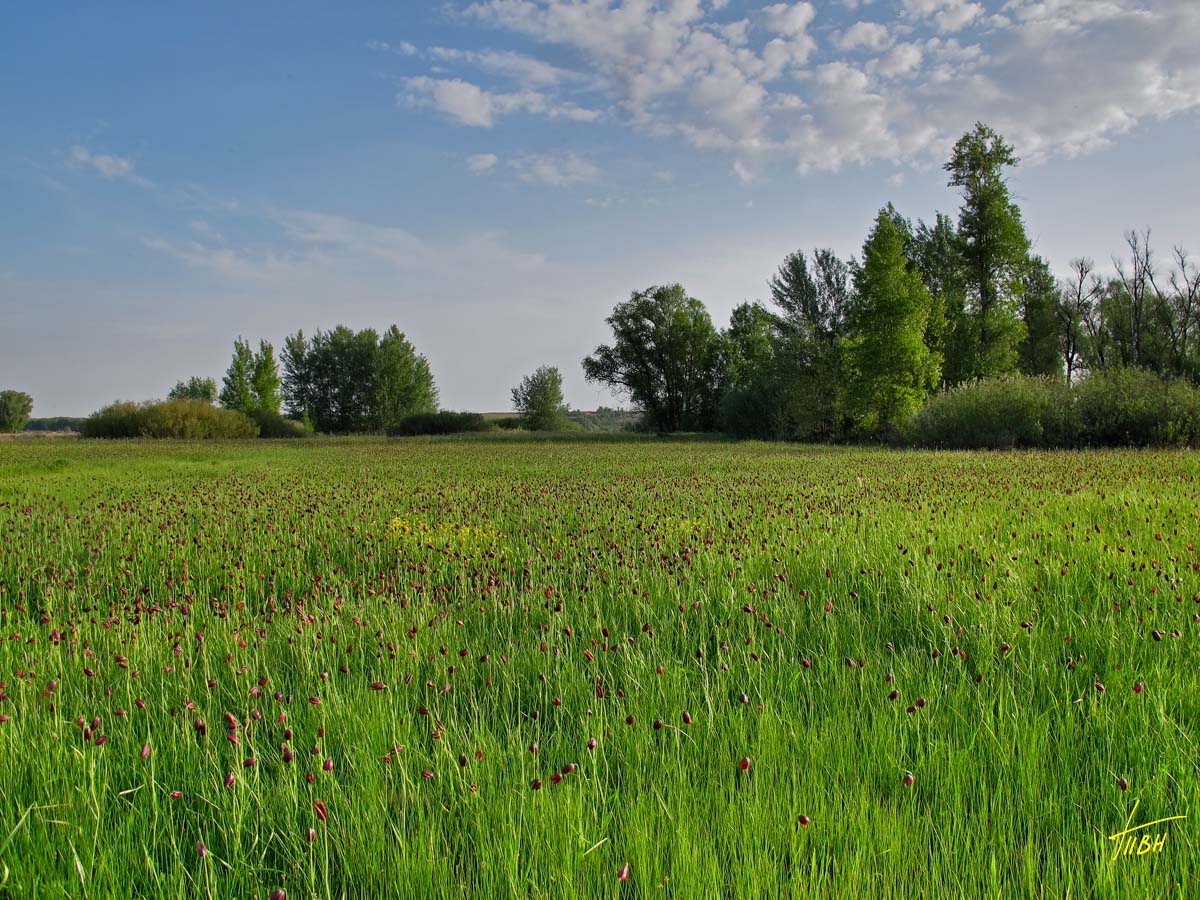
1113	408
185	419
440	423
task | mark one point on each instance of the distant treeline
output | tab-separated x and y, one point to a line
56	423
931	313
951	333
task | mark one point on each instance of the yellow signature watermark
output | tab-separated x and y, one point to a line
1135	840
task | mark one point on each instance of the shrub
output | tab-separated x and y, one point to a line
15	407
188	419
996	413
509	423
440	423
273	425
1119	407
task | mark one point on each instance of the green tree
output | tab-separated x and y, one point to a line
1040	351
665	355
195	388
347	382
236	392
539	400
994	250
750	399
814	298
15	408
935	251
265	381
297	377
801	397
251	384
403	381
342	390
889	369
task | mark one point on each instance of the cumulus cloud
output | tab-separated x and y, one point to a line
767	88
946	15
866	35
469	104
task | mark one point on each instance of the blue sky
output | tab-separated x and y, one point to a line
493	176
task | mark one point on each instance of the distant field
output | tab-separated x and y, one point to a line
514	668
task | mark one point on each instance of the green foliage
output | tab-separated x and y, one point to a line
539	400
1134	407
186	419
236	390
251	383
15	408
264	380
815	300
1040	351
195	388
996	414
403	381
665	355
350	382
888	368
1116	407
935	250
444	422
781	370
274	425
781	379
297	378
994	250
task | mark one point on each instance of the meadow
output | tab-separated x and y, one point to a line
503	667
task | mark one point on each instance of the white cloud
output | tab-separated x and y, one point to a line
790	19
867	35
554	170
108	166
947	15
900	60
404	48
482	162
469	104
762	91
525	70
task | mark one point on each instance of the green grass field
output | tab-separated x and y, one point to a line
416	639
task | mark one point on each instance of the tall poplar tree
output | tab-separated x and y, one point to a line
889	369
994	251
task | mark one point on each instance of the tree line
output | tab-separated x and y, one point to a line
841	349
853	348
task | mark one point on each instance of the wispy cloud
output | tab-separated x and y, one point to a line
107	165
555	170
482	162
526	71
403	48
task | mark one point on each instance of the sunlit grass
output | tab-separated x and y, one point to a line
413	632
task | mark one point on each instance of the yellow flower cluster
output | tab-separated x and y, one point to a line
673	525
443	534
